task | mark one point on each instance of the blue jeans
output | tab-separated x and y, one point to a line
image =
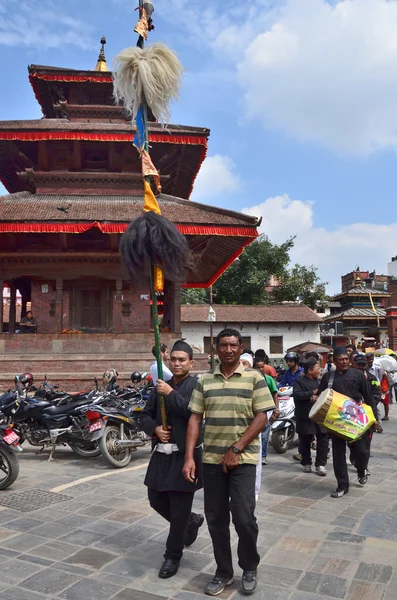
265	439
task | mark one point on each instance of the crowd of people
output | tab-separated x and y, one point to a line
216	436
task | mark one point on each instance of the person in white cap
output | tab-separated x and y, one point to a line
248	362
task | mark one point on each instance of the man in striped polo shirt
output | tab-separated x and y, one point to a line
234	400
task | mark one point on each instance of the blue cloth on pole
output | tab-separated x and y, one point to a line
139	139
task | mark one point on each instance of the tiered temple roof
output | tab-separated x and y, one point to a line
76	170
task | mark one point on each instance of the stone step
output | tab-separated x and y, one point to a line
64	344
73	373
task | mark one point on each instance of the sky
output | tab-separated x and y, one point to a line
300	97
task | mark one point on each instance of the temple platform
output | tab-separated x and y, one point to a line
72	361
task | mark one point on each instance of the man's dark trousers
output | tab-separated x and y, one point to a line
361	457
305	442
235	490
176	508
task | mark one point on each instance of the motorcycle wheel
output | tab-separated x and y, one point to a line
117	458
9	468
86	449
280	441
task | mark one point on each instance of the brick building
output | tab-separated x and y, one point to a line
74	182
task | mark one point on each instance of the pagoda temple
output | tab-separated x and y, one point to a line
360	309
75	183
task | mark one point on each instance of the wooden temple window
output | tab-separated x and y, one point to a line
99	99
93	240
95	157
61	159
91	308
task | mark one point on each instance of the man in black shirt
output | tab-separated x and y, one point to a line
361	362
305	390
170	495
354	384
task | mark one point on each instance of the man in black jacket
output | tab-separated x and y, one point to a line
361	362
305	390
354	384
170	495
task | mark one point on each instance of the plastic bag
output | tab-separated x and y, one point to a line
348	418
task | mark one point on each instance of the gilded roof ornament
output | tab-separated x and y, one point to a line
101	64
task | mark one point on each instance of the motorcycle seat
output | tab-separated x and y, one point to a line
66	408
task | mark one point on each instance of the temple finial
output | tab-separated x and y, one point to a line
101	64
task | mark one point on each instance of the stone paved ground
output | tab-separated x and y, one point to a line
103	541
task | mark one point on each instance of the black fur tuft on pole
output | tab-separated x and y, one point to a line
153	240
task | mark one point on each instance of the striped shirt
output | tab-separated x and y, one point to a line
230	405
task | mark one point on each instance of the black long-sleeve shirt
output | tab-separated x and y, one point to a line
304	387
178	414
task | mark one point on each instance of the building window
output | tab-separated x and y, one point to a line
276	344
207	346
91	308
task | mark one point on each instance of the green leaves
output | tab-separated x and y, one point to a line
262	276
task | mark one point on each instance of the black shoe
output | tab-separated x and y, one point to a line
362	479
339	492
169	568
192	532
249	582
385	419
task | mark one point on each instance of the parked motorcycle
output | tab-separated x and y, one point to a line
117	431
44	424
9	445
284	428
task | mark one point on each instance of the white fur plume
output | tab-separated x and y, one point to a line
156	71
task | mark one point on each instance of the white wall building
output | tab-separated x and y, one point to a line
392	267
274	328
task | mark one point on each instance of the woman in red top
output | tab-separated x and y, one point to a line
384	386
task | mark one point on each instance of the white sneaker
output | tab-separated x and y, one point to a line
322	471
307	469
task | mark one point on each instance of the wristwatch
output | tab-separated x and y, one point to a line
235	450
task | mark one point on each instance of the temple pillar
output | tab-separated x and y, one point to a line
1	304
172	307
59	305
23	303
117	306
176	309
13	307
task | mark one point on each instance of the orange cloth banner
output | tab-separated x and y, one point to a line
150	204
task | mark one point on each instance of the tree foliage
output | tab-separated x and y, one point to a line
194	296
247	280
303	284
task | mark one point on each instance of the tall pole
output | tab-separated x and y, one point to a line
153	295
212	357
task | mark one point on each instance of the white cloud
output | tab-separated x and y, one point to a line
334	252
326	72
285	217
224	25
40	23
216	177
